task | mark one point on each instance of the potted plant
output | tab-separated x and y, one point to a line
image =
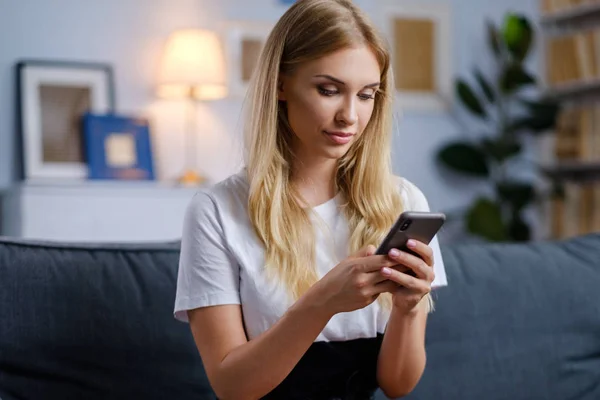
509	115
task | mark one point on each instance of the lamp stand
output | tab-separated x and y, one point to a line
190	176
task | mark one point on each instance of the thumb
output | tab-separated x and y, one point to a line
366	251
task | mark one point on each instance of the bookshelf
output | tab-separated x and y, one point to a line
571	35
569	12
577	91
575	171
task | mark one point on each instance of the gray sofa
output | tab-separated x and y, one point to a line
94	321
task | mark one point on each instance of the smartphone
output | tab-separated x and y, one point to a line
418	225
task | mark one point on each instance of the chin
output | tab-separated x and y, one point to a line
337	152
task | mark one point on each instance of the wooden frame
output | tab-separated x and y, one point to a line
419	35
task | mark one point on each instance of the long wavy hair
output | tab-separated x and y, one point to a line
309	30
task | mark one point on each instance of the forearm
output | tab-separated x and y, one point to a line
257	367
402	356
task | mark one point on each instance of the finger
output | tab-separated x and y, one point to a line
375	263
364	252
386	286
370	250
423	250
417	265
407	281
375	277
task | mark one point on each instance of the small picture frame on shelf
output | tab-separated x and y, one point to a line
420	40
52	96
118	147
244	41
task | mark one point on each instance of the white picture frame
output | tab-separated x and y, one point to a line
439	14
52	96
243	41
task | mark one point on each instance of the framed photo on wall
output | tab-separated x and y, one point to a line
118	147
419	35
244	42
52	97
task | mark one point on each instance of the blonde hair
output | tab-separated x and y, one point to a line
309	30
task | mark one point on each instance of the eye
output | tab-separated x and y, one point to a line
367	96
326	92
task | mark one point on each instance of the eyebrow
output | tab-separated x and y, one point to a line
370	85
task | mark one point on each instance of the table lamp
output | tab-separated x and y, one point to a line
193	68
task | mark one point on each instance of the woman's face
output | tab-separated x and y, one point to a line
330	101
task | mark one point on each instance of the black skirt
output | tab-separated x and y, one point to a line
333	370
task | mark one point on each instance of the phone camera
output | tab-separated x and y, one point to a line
405	225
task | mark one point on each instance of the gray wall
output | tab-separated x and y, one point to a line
129	35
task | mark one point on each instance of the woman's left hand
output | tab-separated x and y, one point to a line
412	287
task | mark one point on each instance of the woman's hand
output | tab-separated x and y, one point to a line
354	283
414	286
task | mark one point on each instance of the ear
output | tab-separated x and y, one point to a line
280	91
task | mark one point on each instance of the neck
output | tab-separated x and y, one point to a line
315	181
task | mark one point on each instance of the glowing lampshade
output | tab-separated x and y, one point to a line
192	65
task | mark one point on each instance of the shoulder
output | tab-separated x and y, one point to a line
215	199
413	198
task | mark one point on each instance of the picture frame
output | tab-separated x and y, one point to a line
118	147
51	98
243	43
419	35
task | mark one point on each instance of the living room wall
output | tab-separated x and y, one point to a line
129	35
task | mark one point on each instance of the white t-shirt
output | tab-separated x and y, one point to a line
222	261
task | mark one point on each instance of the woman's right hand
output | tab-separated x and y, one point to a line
354	283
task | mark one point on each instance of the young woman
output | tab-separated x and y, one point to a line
277	276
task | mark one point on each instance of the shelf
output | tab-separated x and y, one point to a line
103	188
572	15
580	91
578	171
95	211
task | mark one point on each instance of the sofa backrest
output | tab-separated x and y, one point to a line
95	321
91	321
518	322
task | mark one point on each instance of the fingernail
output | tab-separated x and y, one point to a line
394	252
411	243
386	271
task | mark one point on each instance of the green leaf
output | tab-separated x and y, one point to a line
464	157
515	77
543	116
485	86
500	149
518	230
484	219
493	38
544	106
517	35
533	124
468	98
517	194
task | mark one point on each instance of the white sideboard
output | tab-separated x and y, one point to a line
95	211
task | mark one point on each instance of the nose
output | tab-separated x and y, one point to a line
347	114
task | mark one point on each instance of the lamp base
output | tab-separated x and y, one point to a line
191	178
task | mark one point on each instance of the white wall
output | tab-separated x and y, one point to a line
129	35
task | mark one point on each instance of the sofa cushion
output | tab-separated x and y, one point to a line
517	321
94	322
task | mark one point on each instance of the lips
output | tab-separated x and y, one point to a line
339	137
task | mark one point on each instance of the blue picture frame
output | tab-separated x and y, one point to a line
118	147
